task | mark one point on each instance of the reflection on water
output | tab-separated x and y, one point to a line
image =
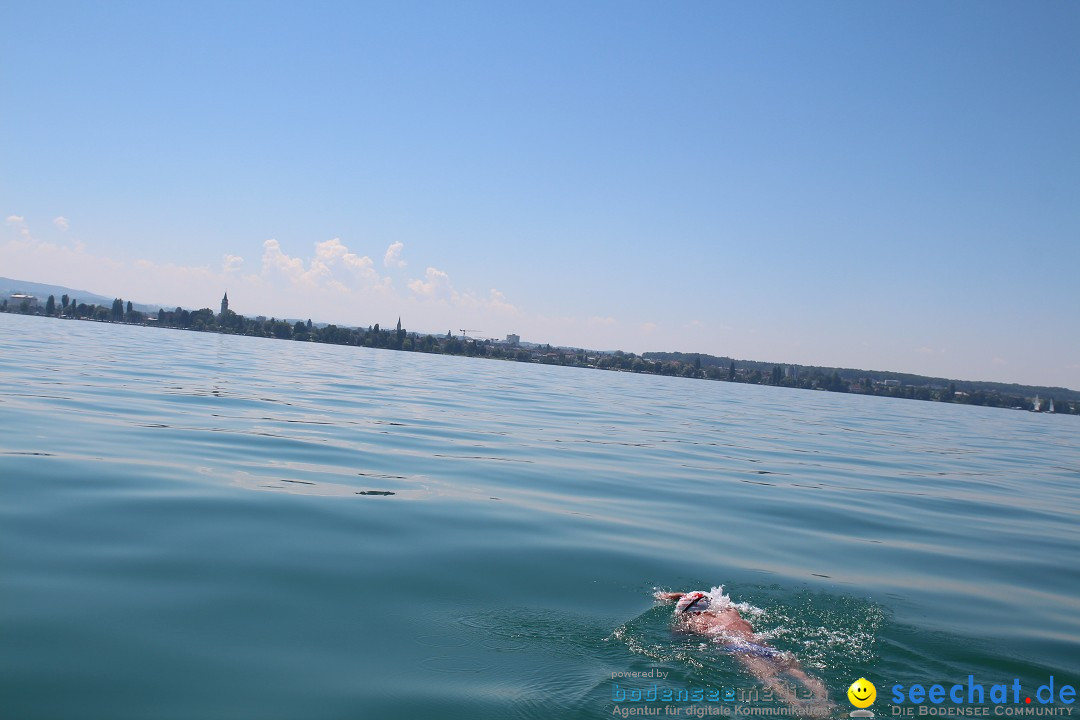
209	526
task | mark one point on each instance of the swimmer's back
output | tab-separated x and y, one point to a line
727	620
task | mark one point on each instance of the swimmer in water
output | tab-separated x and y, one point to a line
713	614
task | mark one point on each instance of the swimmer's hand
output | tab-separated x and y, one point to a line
663	596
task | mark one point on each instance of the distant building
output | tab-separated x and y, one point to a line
399	325
225	304
17	299
513	339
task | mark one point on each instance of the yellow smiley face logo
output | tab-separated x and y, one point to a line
862	693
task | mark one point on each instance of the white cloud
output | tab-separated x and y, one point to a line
61	222
330	251
275	260
334	251
19	223
436	286
393	255
363	265
648	327
497	302
231	263
333	265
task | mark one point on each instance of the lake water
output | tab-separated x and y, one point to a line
206	526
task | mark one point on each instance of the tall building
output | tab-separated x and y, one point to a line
225	304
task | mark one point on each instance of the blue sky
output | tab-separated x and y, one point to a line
877	185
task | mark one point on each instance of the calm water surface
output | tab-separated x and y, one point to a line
205	526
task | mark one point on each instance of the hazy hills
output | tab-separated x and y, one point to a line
43	290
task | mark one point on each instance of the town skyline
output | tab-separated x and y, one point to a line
890	383
881	186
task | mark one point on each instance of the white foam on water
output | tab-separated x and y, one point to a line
818	641
718	600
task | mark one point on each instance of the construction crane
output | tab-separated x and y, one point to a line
467	331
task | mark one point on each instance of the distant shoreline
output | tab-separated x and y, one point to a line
1061	401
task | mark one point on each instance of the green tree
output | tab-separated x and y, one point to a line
731	371
836	384
202	319
50	306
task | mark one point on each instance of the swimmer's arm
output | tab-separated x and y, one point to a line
667	596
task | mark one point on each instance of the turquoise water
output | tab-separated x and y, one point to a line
207	526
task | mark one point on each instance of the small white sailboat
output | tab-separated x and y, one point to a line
1037	405
1051	408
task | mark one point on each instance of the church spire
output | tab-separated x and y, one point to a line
225	304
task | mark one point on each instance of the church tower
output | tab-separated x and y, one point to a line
225	304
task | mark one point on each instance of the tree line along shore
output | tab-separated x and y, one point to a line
688	365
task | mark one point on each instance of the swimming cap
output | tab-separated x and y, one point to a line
692	602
